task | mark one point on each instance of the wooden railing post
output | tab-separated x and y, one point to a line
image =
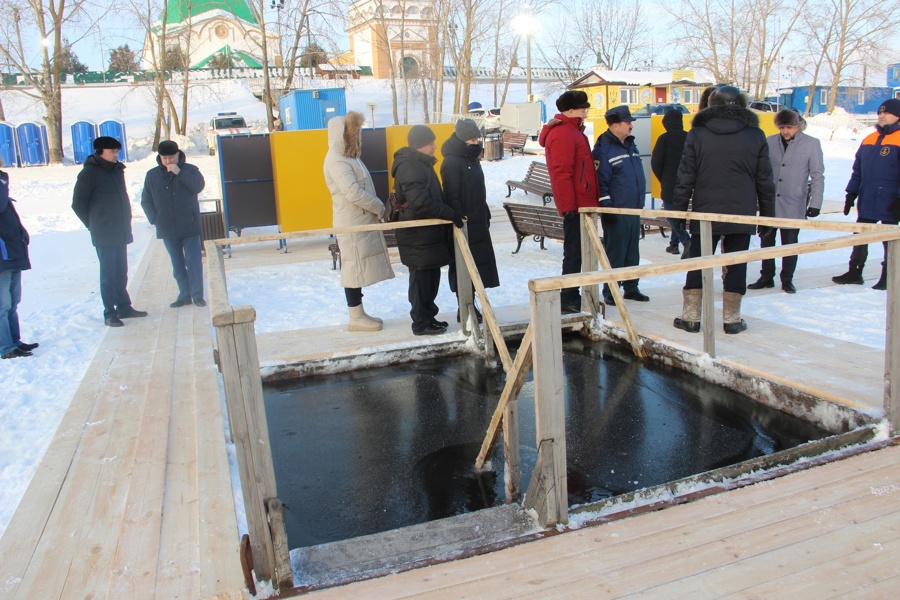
239	364
590	294
892	339
708	310
548	491
464	292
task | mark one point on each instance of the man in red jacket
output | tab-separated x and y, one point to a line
573	179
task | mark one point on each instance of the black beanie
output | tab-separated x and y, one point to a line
419	137
891	105
167	148
104	142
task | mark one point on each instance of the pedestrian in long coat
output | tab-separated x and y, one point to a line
364	256
664	162
464	190
170	201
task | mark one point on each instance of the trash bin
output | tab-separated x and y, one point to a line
212	223
493	146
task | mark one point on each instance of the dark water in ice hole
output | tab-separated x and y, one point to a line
373	450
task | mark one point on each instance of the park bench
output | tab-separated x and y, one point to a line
537	221
648	223
514	142
537	181
390	238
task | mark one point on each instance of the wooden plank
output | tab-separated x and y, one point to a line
464	295
707	310
290	235
892	339
591	229
718	260
549	401
515	379
590	294
284	577
490	319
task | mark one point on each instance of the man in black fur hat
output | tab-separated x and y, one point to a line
726	169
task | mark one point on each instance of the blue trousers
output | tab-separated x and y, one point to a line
10	295
621	240
187	266
113	279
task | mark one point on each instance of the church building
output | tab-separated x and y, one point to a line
205	29
404	31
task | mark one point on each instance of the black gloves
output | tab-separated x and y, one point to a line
458	219
812	213
849	202
765	232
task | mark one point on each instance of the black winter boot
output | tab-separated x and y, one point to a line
853	276
882	281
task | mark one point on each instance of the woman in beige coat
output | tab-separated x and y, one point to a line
364	256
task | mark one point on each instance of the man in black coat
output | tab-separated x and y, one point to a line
13	260
423	250
101	202
664	162
464	191
170	202
726	169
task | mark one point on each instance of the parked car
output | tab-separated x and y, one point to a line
485	113
763	106
660	109
224	123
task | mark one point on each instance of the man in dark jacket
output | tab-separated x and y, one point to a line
664	162
573	179
170	202
620	174
101	202
464	191
13	260
875	181
423	250
726	169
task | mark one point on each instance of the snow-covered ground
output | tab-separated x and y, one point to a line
61	307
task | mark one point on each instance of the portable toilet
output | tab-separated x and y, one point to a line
8	144
31	139
116	129
83	135
311	109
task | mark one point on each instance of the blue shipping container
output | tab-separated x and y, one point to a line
8	144
311	109
116	129
83	135
32	142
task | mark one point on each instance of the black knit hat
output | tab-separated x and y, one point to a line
104	142
419	137
891	105
167	148
571	99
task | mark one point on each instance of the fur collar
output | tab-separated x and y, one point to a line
726	111
353	123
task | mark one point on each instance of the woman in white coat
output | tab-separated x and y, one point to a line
364	256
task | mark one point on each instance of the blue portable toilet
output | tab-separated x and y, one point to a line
31	139
8	144
83	135
311	109
115	129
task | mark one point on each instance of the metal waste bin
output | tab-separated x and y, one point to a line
212	223
493	146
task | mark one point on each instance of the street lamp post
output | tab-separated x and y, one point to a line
526	24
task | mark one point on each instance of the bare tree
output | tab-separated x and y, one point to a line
45	20
615	29
300	20
862	28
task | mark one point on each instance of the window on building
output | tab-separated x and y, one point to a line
689	96
823	97
861	97
427	12
396	10
413	11
628	95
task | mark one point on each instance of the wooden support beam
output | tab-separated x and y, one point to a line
550	498
590	294
892	339
708	310
487	311
284	575
515	379
591	229
464	296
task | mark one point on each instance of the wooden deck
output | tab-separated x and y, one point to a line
133	498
